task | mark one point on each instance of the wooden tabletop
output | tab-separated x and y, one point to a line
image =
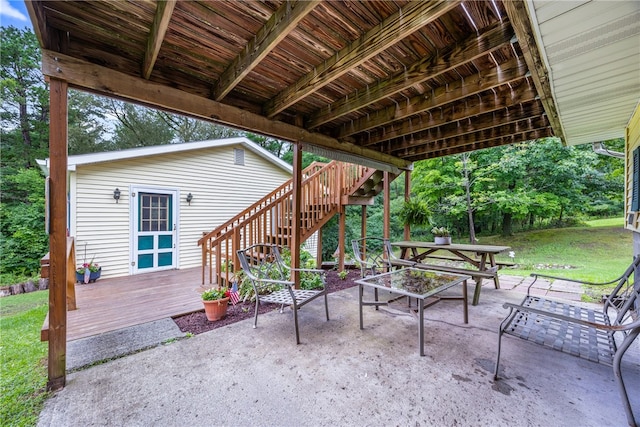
489	249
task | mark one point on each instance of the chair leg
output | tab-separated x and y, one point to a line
255	317
326	305
295	320
618	374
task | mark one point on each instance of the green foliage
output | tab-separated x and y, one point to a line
213	294
23	373
23	237
414	212
440	232
598	251
343	274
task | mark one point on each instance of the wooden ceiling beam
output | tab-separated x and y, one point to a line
489	134
379	38
476	83
474	106
505	140
156	35
462	127
81	74
477	45
39	20
279	25
518	15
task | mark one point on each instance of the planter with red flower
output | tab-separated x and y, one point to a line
88	272
216	302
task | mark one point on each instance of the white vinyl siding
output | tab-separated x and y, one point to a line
220	190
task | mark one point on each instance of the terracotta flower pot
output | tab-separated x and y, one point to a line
216	309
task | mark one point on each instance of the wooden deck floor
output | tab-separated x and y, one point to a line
116	303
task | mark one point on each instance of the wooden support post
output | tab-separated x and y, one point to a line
296	233
342	220
387	206
319	249
57	234
71	277
407	196
363	222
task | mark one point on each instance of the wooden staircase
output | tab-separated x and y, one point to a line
325	188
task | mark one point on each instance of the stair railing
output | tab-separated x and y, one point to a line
270	219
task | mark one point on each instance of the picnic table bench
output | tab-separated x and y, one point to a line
602	336
480	257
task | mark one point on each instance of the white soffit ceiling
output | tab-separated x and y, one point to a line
592	49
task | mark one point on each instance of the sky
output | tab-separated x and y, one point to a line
14	12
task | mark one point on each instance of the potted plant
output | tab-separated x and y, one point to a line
442	235
216	302
88	272
414	212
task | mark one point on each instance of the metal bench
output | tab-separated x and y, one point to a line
600	336
270	277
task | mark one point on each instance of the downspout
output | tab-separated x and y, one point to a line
599	148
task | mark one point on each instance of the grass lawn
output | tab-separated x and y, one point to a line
599	251
23	369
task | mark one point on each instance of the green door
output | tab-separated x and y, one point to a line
155	246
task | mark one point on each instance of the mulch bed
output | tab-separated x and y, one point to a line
197	323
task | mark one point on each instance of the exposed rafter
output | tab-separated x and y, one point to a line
156	35
471	85
457	129
488	102
104	81
517	12
472	48
399	25
483	135
505	140
281	23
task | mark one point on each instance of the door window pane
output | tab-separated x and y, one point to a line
154	212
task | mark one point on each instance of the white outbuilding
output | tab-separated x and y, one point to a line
144	209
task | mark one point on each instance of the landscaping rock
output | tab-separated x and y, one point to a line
43	284
5	291
17	289
30	286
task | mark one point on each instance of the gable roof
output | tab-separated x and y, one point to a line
93	158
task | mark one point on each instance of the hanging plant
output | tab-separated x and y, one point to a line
415	212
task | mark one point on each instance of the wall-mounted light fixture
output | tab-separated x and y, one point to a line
189	198
116	194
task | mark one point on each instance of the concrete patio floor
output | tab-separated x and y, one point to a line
343	376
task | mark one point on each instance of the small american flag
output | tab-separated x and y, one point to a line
234	296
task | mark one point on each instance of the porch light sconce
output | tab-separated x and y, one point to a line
189	198
116	194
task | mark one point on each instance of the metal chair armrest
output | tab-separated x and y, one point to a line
613	328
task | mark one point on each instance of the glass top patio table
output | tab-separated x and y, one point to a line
414	283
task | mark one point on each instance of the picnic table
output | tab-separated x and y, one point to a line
480	257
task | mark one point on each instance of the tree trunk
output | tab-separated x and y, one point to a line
507	226
467	188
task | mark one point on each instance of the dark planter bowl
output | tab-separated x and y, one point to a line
93	276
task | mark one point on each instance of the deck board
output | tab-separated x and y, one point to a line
120	302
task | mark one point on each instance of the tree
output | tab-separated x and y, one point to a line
87	122
138	127
25	99
187	129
